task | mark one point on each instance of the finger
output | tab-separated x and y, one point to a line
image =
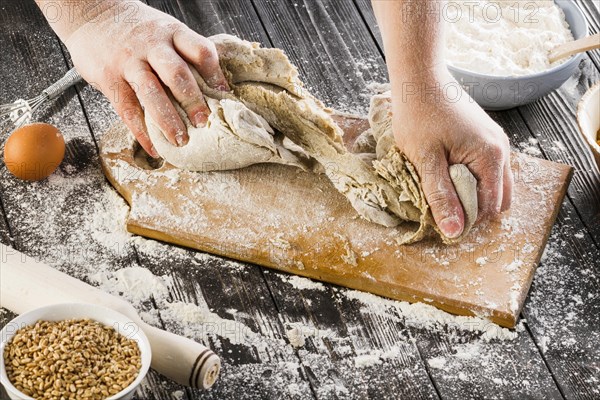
129	109
507	186
202	54
441	196
155	101
489	174
175	73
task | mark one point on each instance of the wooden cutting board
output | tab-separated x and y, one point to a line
294	221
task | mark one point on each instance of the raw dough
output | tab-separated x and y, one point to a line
268	97
234	137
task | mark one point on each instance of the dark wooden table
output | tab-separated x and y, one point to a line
337	47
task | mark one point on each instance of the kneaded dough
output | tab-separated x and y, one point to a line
270	117
234	137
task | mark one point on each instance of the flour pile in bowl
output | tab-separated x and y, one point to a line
504	38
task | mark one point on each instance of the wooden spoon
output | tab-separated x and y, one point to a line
577	46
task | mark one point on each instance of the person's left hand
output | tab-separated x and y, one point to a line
130	59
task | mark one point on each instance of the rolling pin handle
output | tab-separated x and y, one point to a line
189	363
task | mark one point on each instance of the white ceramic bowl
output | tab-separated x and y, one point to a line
501	93
59	312
588	118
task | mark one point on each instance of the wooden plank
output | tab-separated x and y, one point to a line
348	351
334	55
277	29
563	312
213	17
512	123
591	10
4	228
560	137
327	377
567	273
323	239
250	370
562	141
244	329
244	365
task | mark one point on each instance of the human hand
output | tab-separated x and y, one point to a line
129	59
435	129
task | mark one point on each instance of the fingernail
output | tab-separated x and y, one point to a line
493	210
499	205
153	152
199	119
179	139
451	227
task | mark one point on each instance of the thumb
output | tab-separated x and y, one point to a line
441	196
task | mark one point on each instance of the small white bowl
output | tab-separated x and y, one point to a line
588	118
60	312
496	93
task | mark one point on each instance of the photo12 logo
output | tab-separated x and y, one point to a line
55	11
518	12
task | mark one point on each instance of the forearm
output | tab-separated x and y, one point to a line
413	37
66	16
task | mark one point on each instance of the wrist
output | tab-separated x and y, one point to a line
417	71
424	87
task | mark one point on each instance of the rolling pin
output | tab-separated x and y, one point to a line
26	284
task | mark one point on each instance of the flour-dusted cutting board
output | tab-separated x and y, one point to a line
294	221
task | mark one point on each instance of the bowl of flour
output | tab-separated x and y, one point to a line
498	50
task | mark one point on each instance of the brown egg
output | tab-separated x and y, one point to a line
33	152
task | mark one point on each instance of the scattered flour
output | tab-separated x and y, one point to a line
298	332
136	284
367	360
420	315
301	283
139	285
437	362
178	395
296	337
481	261
513	266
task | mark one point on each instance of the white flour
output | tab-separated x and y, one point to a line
504	38
420	315
139	285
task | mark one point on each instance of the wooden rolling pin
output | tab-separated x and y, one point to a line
26	284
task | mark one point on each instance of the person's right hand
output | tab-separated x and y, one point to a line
435	131
129	58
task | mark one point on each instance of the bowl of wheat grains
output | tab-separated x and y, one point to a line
73	351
